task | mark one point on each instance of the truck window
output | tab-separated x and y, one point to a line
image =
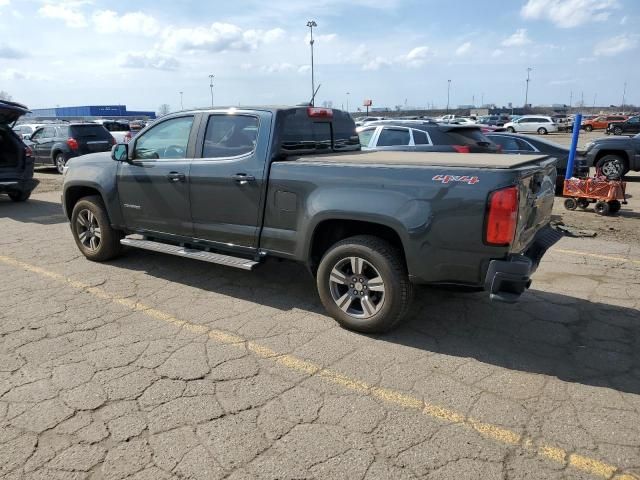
344	132
393	136
301	133
230	136
420	137
168	139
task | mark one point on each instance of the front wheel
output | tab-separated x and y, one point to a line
542	131
588	128
93	233
363	283
511	130
602	208
570	204
613	167
19	196
617	131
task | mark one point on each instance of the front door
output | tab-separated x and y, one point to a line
154	185
227	178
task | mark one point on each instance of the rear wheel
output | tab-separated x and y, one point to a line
588	128
613	167
570	204
60	161
93	233
19	196
614	206
511	130
617	131
602	208
542	131
363	284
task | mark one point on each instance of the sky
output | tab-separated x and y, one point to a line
394	52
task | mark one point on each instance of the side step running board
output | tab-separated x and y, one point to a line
218	258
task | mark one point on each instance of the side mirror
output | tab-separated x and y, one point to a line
120	152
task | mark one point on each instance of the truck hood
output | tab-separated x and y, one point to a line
11	111
610	140
100	158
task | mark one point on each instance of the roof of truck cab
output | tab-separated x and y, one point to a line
439	159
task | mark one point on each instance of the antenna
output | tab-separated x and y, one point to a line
314	95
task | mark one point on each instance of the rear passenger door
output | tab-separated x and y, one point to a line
227	178
393	136
45	144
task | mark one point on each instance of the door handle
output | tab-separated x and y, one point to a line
176	177
243	178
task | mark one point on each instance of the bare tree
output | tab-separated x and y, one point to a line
5	96
164	109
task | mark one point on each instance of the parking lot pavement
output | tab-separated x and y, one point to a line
154	367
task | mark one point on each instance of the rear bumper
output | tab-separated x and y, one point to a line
507	279
9	186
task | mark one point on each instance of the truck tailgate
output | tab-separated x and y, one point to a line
536	196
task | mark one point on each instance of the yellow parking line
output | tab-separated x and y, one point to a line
494	432
596	255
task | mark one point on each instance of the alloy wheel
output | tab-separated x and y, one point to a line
612	169
357	287
88	230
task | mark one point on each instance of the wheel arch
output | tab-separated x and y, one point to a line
620	153
75	193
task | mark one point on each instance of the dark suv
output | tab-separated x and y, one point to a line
630	125
56	143
16	162
424	136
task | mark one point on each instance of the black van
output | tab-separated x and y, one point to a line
16	159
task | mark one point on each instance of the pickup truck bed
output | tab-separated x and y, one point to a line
470	160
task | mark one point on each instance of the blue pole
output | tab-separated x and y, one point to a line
577	122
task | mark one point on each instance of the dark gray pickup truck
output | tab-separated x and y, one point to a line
236	186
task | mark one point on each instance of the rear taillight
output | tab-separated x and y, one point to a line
461	148
72	143
28	152
502	217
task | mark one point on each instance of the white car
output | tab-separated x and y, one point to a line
461	121
26	129
532	123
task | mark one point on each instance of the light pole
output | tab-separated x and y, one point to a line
211	77
526	94
181	104
624	94
448	92
347	101
311	24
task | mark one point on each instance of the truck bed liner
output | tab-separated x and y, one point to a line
436	159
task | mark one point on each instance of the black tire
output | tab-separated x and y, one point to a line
614	167
617	131
542	131
602	208
583	204
588	128
59	161
108	245
19	196
570	204
387	263
614	206
511	130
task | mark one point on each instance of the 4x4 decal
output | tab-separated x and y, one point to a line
456	178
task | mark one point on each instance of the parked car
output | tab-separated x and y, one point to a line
16	162
237	186
528	145
615	156
564	122
601	122
424	136
532	123
461	121
630	125
492	120
55	144
25	130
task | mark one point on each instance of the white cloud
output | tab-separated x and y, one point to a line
463	49
568	13
376	63
623	20
4	3
304	69
108	21
219	37
586	59
518	39
566	81
416	57
149	60
67	11
615	45
323	38
7	51
497	53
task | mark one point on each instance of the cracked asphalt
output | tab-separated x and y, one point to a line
155	367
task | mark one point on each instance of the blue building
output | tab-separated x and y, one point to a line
89	112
